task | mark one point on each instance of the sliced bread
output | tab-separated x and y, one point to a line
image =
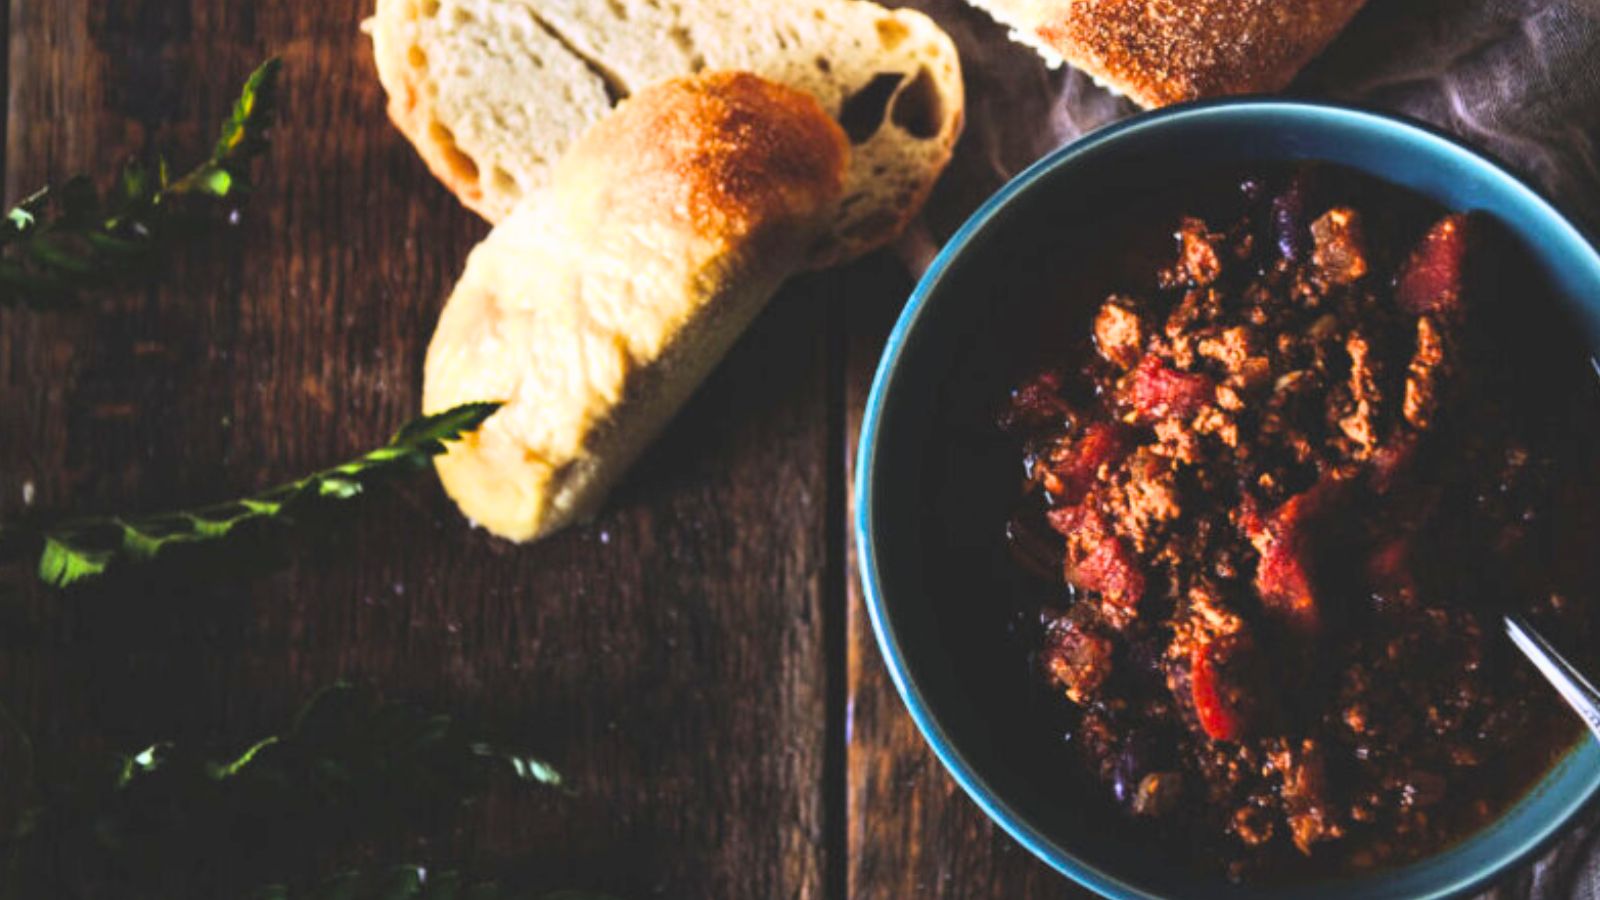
601	302
492	92
1159	52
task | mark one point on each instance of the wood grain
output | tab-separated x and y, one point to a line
699	659
668	657
912	831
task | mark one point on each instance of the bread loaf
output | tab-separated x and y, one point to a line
597	307
492	92
1160	52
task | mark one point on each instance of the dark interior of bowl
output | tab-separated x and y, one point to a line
942	484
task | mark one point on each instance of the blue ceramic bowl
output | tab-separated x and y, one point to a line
924	578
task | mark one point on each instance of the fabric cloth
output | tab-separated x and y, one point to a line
1519	78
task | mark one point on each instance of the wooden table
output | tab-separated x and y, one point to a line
698	659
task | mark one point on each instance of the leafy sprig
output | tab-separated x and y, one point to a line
347	772
61	242
84	549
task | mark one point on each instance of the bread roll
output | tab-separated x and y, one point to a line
491	92
597	307
1160	52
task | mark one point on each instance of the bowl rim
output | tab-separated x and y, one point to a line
1346	115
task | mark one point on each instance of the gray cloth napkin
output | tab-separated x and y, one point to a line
1520	78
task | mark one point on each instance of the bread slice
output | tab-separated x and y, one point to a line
604	299
492	92
1160	52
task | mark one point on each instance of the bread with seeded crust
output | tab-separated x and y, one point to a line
1160	52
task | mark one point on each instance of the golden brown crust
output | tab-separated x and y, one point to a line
719	154
1166	51
603	300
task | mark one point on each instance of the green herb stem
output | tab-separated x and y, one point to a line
83	549
61	242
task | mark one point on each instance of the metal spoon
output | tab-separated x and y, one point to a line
1571	684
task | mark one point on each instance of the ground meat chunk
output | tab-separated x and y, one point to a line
1305	792
1078	658
1218	423
1209	617
1118	333
1230	348
1177	441
1360	424
1143	498
1198	261
1252	825
1339	245
1425	374
1199	307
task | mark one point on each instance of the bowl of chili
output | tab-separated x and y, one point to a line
935	490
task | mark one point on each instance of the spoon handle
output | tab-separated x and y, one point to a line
1574	688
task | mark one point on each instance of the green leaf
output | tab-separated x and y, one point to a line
253	113
64	562
216	183
142	763
58	244
526	768
82	550
348	772
220	771
135	184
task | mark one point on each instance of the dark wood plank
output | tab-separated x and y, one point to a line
670	656
912	831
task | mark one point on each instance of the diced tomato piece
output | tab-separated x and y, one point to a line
1110	569
1283	577
1077	464
1097	560
1221	672
1155	391
1432	279
1066	520
1036	404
